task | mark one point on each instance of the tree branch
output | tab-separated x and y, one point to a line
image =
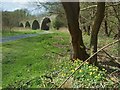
94	6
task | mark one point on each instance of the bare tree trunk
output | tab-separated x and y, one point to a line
95	30
84	29
72	13
88	30
106	24
106	28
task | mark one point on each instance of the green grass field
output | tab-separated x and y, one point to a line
19	31
31	57
25	61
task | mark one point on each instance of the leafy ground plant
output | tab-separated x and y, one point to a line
88	76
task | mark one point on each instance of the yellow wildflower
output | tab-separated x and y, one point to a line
96	76
72	70
63	74
95	69
80	70
113	79
103	69
91	73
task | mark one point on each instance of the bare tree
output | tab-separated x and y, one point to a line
72	12
95	30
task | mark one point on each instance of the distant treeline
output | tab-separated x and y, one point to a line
12	19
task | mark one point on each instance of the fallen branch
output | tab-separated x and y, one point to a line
116	57
114	79
114	72
108	55
87	60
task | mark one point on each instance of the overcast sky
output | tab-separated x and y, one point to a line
11	5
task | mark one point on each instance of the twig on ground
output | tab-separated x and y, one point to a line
108	55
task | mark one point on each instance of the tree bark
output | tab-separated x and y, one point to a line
95	30
72	13
106	23
88	30
106	28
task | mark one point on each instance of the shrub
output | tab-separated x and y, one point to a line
57	24
60	21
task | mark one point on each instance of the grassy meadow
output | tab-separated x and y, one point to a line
43	61
18	31
31	57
